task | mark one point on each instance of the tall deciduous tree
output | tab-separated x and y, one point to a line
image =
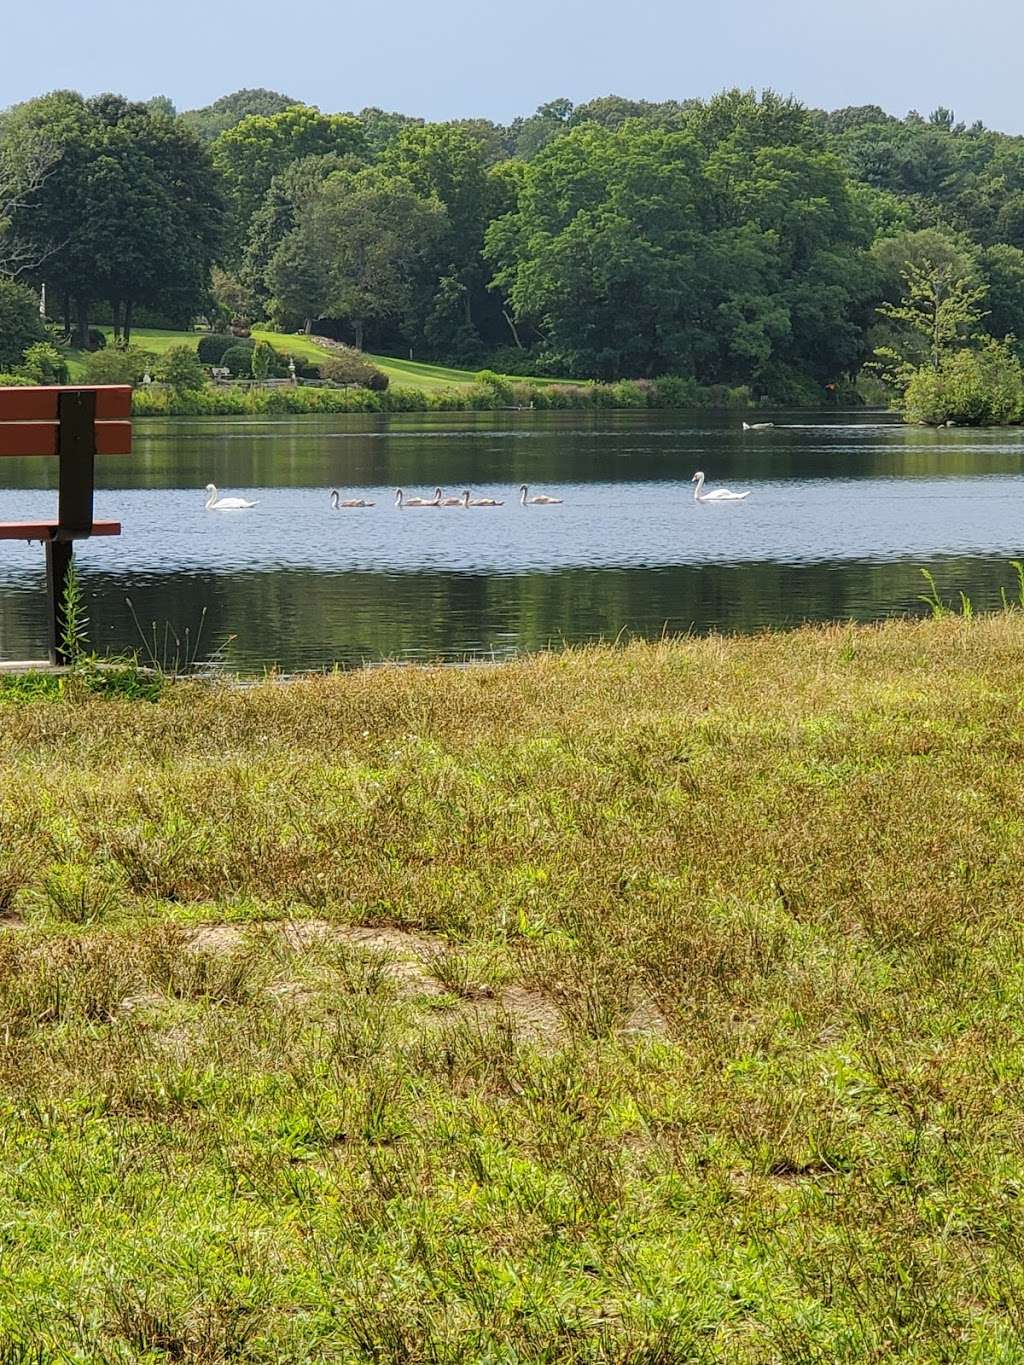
361	251
20	326
255	150
209	122
381	127
26	162
132	203
710	249
1003	269
450	163
289	191
940	312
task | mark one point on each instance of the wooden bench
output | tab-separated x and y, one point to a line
75	425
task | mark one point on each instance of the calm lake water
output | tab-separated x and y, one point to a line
844	511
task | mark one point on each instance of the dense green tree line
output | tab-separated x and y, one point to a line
742	240
129	213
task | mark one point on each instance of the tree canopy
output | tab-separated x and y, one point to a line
132	212
646	250
737	240
251	153
216	118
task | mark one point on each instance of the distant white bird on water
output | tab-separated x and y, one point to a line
336	501
215	503
757	426
540	500
719	495
441	501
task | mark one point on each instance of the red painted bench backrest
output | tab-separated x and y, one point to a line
30	420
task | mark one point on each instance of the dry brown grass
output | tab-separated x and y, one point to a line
647	1004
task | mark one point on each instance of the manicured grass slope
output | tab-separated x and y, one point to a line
403	373
652	1004
410	374
400	372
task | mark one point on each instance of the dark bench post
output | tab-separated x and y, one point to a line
76	450
76	447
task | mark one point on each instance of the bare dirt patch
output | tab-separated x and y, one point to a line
408	957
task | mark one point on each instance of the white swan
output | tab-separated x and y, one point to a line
441	501
336	501
541	499
215	503
467	501
757	426
402	501
719	495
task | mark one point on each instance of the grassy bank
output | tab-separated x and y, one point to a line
652	1004
406	374
413	387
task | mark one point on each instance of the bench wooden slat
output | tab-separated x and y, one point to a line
46	530
113	402
40	438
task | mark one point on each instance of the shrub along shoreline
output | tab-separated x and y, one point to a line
626	394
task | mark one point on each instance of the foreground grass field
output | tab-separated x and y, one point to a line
649	1005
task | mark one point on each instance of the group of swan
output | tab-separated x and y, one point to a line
215	503
439	500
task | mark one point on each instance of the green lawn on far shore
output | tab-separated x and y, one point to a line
661	1003
402	373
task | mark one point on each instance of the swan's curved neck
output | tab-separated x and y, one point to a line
700	485
212	498
523	492
398	497
335	499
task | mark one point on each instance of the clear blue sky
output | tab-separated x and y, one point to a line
454	58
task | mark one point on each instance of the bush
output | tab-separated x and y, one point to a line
213	347
44	364
238	359
11	381
569	395
528	396
218	402
267	363
263	357
970	388
498	390
179	366
20	323
345	366
237	402
118	367
632	393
